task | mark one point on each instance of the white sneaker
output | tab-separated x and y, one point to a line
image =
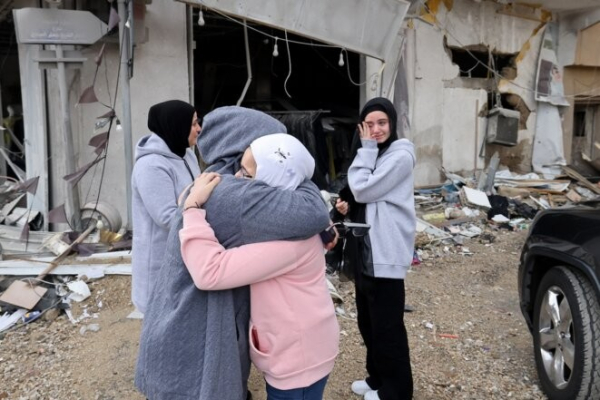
361	387
372	395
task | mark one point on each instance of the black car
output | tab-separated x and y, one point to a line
559	291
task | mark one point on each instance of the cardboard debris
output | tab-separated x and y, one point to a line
573	196
24	294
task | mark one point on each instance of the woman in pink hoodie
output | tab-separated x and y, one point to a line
294	332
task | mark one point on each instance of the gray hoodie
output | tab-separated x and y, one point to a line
385	185
157	179
194	344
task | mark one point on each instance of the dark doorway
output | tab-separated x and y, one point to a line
322	105
10	99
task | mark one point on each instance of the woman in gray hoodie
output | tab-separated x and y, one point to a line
380	180
164	166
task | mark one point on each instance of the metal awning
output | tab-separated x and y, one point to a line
366	27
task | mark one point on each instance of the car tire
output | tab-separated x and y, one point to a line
566	333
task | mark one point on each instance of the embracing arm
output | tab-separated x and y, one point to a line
276	214
214	268
156	189
370	184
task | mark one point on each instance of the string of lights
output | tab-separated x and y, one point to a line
341	60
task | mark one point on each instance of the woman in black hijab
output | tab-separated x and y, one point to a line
380	193
165	164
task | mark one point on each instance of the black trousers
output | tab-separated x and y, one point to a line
380	314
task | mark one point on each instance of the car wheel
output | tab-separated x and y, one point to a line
566	334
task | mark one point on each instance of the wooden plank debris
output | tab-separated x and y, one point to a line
573	196
581	179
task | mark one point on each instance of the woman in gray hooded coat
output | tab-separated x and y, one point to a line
165	164
194	343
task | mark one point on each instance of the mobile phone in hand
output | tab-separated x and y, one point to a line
328	235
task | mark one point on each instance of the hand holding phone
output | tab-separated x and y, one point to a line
328	235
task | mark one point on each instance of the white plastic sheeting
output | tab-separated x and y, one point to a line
548	150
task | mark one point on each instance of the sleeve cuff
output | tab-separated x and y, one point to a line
369	143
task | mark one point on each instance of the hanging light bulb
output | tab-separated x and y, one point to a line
341	61
201	18
275	49
119	127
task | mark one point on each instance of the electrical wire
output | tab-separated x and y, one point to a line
287	44
112	118
468	71
370	78
288	41
43	281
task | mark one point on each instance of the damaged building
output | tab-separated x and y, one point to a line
469	78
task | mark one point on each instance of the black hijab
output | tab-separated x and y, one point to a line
377	104
172	122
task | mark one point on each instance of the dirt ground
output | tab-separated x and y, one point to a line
467	337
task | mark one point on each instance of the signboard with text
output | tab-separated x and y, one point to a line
54	26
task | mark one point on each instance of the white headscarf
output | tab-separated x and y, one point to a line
282	161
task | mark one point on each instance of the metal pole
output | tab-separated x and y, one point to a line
126	106
2	144
191	44
72	200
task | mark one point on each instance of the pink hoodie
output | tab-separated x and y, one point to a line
294	332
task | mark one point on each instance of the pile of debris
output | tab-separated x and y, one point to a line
462	209
57	273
